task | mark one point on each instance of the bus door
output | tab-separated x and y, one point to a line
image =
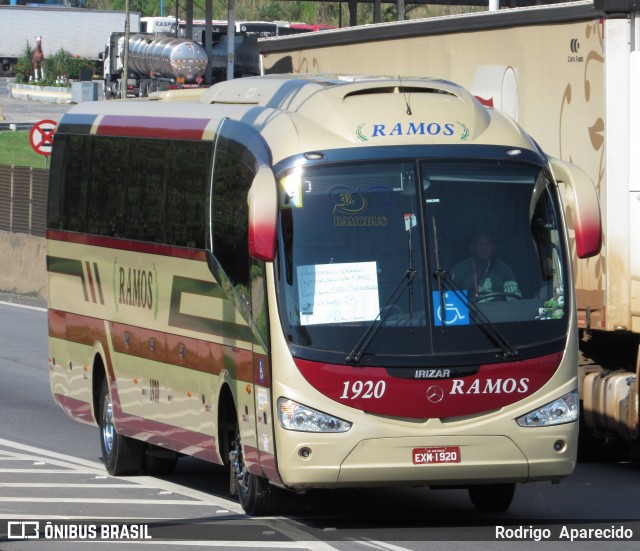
240	154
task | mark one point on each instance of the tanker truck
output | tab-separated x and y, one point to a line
156	63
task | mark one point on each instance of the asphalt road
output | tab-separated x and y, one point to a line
20	111
41	451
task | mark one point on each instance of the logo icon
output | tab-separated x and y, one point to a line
360	134
574	45
23	530
435	394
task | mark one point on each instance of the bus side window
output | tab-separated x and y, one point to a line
230	247
146	190
72	186
187	190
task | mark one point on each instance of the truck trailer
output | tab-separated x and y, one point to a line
569	74
157	62
81	32
160	61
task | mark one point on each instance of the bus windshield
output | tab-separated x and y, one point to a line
401	263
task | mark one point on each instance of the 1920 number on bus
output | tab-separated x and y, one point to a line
363	389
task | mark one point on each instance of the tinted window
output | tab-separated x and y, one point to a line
140	189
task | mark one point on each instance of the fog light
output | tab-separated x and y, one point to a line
305	453
558	445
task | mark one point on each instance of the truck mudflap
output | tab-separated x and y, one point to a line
610	404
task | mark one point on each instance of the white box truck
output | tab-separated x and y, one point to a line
81	32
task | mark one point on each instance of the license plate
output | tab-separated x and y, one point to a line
429	456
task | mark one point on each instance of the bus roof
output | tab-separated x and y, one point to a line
299	113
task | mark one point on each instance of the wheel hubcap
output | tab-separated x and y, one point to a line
108	429
239	468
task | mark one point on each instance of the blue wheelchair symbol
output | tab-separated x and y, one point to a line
455	310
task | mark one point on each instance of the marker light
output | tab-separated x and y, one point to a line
295	416
291	185
560	411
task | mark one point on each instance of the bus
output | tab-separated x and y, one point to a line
261	274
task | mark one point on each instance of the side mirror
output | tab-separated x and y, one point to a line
263	215
582	200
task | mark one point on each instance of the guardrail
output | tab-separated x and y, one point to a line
23	199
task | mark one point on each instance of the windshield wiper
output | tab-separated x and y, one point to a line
364	341
485	323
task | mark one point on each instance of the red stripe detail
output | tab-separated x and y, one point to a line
199	355
180	440
87	331
487	102
184	441
126	245
261	463
75	408
152	127
374	390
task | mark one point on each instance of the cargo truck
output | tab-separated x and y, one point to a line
569	74
81	32
157	63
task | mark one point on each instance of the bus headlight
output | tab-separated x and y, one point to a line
562	410
295	416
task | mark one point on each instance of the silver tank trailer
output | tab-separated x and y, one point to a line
173	58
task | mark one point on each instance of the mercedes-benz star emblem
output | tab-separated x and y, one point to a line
435	394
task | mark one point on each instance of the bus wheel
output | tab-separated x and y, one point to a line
257	497
492	497
121	455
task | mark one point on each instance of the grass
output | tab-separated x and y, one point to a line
15	149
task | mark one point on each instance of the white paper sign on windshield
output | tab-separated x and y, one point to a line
338	293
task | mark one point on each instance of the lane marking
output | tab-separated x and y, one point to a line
294	530
44	471
128	501
102	486
98	469
378	544
25	306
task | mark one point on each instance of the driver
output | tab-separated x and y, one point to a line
482	274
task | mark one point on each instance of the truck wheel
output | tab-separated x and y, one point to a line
492	497
121	455
256	495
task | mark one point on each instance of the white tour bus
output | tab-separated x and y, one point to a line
265	274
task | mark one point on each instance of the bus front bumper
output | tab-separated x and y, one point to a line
434	461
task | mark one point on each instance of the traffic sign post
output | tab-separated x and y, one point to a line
41	136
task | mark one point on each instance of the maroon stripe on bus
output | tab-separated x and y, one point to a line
181	440
152	127
196	444
126	245
75	408
195	354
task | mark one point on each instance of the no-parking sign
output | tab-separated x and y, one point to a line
41	136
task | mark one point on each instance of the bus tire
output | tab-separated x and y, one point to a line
121	455
492	497
256	495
